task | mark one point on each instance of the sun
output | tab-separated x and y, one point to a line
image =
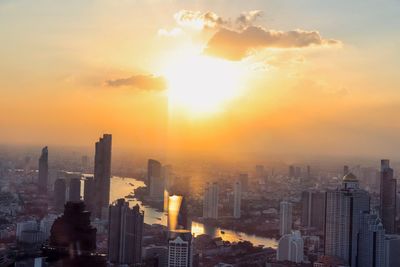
202	85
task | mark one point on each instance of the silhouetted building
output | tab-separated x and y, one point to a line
155	179
292	172
392	248
388	197
244	180
73	231
291	248
313	209
286	220
89	193
43	170
156	256
125	233
346	170
183	220
344	208
180	248
237	199
102	174
59	194
210	201
74	189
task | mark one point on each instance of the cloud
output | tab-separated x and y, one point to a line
170	33
236	45
198	20
142	82
247	19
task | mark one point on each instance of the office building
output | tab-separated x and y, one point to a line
237	199
392	249
157	254
291	248
210	201
313	209
155	180
102	174
344	206
125	234
89	191
371	241
388	197
74	192
180	248
59	194
43	170
285	222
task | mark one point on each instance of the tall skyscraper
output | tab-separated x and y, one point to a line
102	174
89	193
371	241
344	207
43	170
155	179
74	189
291	248
313	209
180	248
244	180
210	202
388	197
237	199
59	194
125	234
285	218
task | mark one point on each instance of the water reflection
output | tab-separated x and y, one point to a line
121	187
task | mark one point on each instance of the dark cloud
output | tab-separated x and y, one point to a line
235	45
142	82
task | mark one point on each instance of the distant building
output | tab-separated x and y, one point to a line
30	225
74	189
102	174
125	234
388	197
346	170
43	170
159	255
371	242
244	180
392	249
180	248
313	209
210	201
89	193
155	179
237	199
46	223
291	248
344	207
59	194
292	172
286	220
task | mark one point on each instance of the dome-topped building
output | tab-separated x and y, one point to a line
350	177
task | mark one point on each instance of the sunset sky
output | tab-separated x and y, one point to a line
224	76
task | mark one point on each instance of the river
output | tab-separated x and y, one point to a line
121	187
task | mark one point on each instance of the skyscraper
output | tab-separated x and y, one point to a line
244	180
237	199
43	170
388	197
180	248
344	207
313	209
285	218
89	193
59	194
155	179
74	190
125	233
102	173
371	241
291	248
210	201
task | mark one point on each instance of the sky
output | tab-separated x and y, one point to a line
234	78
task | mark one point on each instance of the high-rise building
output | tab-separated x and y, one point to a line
43	170
346	170
125	233
59	194
89	193
237	199
102	174
180	248
292	172
392	248
371	241
388	197
344	207
313	209
244	180
285	213
210	202
155	179
291	248
74	193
